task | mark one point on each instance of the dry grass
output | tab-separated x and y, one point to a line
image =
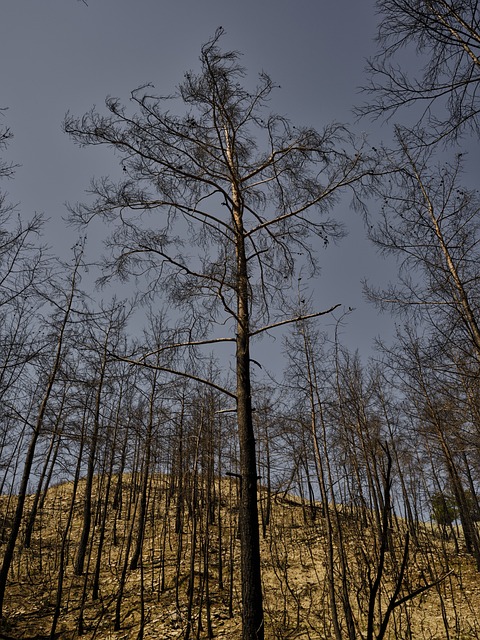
295	586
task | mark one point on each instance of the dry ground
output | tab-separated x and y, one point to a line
296	590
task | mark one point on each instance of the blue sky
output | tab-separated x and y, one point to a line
60	55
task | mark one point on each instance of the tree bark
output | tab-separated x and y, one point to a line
252	597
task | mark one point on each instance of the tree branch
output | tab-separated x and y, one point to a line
297	319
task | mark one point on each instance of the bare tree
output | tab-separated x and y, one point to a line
435	405
24	266
234	195
22	260
59	339
430	223
103	339
445	34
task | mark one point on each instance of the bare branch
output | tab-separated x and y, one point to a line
296	319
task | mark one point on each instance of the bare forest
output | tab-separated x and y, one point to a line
161	482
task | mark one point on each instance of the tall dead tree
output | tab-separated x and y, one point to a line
234	196
59	340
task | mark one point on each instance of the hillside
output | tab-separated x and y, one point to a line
187	583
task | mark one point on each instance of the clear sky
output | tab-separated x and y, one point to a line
60	55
